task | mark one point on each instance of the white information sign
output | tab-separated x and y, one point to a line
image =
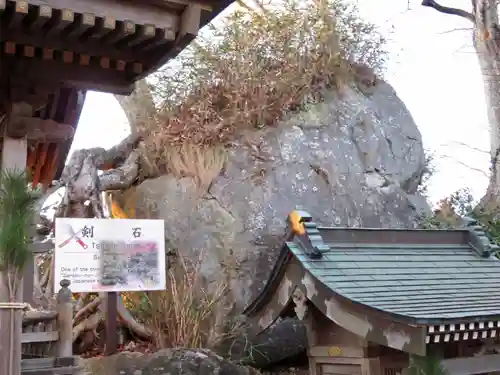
110	255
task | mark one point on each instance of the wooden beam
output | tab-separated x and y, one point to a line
82	23
38	129
42	15
162	37
67	17
138	12
190	21
123	33
82	77
35	337
20	11
144	34
92	47
182	3
38	316
188	30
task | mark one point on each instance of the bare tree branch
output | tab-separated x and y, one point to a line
474	169
465	145
449	10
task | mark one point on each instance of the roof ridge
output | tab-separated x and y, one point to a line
306	234
478	239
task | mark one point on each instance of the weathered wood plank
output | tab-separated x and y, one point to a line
42	247
32	337
38	129
138	12
182	3
30	317
55	371
65	320
51	366
42	363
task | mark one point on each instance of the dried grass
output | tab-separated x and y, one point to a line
202	162
259	65
184	314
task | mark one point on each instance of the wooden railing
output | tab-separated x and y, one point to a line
47	338
49	333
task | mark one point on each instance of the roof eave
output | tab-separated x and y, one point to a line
272	282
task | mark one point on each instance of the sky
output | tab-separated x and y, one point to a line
434	71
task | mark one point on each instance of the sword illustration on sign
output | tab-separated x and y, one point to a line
74	235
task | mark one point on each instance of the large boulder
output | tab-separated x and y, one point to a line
354	159
165	362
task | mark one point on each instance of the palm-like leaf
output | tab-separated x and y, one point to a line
426	366
17	209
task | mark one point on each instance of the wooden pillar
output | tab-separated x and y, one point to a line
312	339
14	156
65	320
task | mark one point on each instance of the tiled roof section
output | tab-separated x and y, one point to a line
420	274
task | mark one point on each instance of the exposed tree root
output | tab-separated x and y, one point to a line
83	185
86	309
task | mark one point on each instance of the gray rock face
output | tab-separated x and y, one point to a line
352	160
165	362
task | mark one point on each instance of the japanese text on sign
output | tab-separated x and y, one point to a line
110	254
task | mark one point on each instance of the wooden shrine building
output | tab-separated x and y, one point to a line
371	298
52	51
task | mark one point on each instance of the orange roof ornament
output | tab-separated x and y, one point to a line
296	219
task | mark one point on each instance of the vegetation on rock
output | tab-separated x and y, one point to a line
237	78
263	62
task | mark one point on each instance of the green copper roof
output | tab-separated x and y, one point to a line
420	274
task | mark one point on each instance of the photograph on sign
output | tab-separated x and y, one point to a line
110	255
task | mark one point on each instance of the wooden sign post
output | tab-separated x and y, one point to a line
112	300
111	324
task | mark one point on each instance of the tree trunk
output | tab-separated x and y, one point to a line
486	44
139	107
83	184
486	39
